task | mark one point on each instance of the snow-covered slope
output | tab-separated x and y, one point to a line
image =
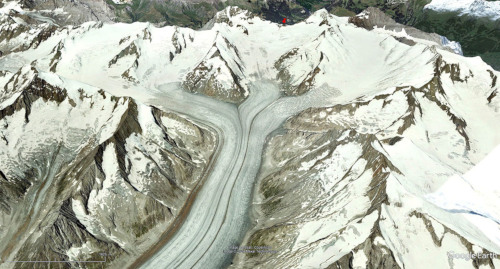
376	20
475	194
349	183
110	130
478	8
86	172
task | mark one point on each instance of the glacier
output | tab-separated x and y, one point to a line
325	133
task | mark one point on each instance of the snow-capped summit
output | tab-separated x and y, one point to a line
477	8
148	142
374	19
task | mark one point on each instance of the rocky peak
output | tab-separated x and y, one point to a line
231	15
373	17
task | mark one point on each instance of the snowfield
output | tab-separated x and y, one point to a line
475	195
477	8
363	131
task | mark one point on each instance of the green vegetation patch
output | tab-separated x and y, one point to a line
477	36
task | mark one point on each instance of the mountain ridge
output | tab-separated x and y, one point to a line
334	113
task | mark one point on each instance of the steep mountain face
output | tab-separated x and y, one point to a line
72	12
345	186
85	172
472	23
478	8
152	145
373	18
17	33
219	74
478	36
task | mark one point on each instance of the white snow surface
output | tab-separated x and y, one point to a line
454	45
475	195
79	253
478	8
355	65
